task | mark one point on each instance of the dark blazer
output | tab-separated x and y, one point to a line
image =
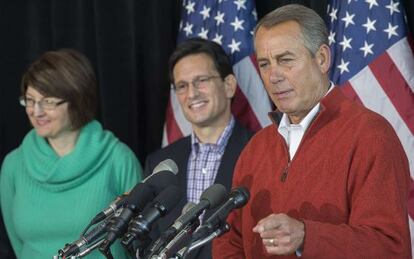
179	151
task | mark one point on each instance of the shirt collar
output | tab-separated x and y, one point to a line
285	124
219	146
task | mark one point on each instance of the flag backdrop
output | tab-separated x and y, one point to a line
230	24
374	64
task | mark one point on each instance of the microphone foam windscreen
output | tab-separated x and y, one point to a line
241	196
140	195
166	165
215	195
169	197
161	180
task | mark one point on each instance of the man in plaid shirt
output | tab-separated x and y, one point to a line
204	84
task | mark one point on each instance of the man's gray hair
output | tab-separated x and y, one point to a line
313	27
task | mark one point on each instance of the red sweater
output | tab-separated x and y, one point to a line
348	182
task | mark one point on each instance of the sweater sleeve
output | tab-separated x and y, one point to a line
127	167
378	195
7	193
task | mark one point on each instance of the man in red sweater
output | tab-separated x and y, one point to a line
329	179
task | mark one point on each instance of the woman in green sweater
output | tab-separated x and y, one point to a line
67	168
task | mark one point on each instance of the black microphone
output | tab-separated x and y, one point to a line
210	198
187	207
140	195
165	165
237	198
162	204
156	245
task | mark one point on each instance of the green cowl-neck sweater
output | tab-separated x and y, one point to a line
47	200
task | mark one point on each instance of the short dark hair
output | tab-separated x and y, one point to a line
201	46
313	27
66	74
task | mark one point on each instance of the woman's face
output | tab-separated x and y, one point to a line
49	115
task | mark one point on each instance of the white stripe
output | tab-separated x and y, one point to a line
164	136
182	122
373	97
252	87
402	55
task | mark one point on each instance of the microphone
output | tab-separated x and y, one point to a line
156	245
113	206
139	196
187	207
237	198
210	198
216	224
165	165
162	204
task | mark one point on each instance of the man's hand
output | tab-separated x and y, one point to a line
281	234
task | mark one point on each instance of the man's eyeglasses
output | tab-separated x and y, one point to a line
44	103
198	83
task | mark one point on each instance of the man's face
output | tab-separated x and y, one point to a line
207	105
293	78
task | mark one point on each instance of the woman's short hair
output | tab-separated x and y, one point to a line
66	74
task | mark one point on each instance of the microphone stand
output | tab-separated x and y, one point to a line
173	243
81	253
89	249
105	249
139	245
200	242
86	243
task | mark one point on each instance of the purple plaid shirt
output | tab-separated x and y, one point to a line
204	162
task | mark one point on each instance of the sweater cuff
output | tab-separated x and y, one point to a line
311	240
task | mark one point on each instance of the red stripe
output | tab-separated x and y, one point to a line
173	131
242	111
395	87
254	61
350	92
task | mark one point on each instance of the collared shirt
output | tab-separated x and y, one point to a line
204	162
293	133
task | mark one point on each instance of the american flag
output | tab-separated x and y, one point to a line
374	64
230	23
